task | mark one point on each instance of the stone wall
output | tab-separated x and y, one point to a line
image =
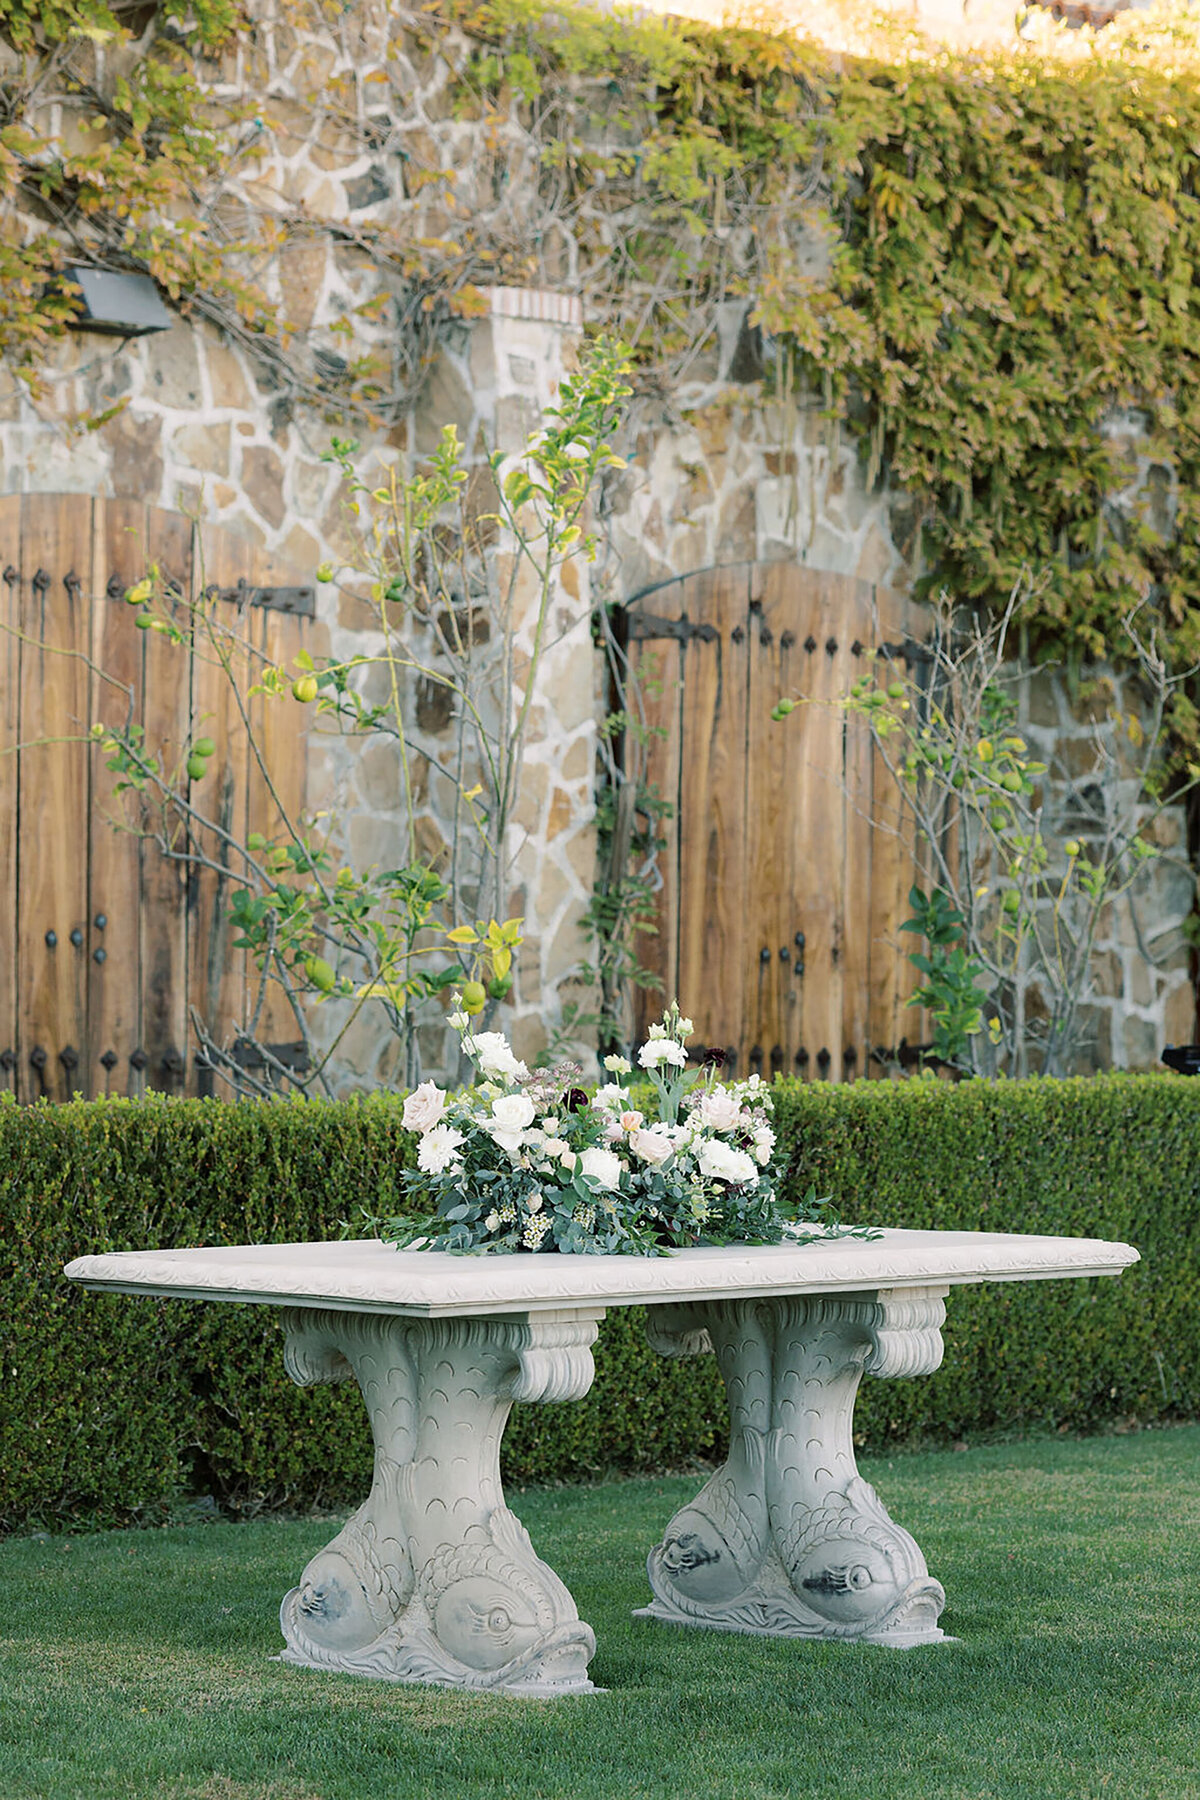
718	473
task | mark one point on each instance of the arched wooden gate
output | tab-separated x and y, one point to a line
105	944
785	879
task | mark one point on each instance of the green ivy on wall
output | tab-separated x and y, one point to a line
984	264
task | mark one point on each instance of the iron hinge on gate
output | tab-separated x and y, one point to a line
650	625
302	601
293	1057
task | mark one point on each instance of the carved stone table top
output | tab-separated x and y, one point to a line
368	1276
433	1579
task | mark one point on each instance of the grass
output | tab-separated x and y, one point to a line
135	1665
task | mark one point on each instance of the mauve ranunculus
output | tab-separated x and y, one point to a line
424	1107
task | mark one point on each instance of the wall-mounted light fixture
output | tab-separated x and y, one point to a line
119	304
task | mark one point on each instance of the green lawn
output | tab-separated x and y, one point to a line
135	1665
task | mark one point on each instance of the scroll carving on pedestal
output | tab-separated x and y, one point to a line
786	1539
433	1578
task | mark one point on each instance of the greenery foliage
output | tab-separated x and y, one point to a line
981	261
110	1406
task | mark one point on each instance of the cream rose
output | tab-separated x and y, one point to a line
653	1145
424	1107
719	1110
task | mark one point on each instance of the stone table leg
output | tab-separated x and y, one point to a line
786	1539
433	1579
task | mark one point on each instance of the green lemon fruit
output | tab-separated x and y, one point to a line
1011	901
319	973
306	688
474	996
197	766
203	747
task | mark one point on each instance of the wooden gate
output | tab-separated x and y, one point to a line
784	879
105	945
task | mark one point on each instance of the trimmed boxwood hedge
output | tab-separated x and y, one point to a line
111	1408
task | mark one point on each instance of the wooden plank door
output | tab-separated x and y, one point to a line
105	941
786	873
10	737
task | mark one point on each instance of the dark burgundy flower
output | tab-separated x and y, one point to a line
575	1100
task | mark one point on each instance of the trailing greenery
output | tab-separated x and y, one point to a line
111	1406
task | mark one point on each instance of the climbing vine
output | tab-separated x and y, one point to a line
985	264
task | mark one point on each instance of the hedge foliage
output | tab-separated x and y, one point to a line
111	1408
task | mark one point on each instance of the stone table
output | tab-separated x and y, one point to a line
433	1579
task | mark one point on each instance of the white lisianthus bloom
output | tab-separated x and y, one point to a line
608	1096
424	1107
657	1031
511	1115
686	1027
653	1145
492	1051
618	1065
458	1021
439	1149
661	1050
764	1143
604	1166
719	1110
725	1163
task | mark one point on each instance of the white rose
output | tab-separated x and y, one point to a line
719	1110
602	1165
492	1222
661	1050
653	1145
513	1112
439	1149
511	1115
424	1107
491	1050
724	1163
569	1160
556	1147
764	1143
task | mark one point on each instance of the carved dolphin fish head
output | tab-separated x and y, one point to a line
331	1608
485	1623
696	1558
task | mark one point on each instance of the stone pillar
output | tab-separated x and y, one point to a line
787	1539
433	1579
521	352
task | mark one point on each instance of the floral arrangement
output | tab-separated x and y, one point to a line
532	1162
